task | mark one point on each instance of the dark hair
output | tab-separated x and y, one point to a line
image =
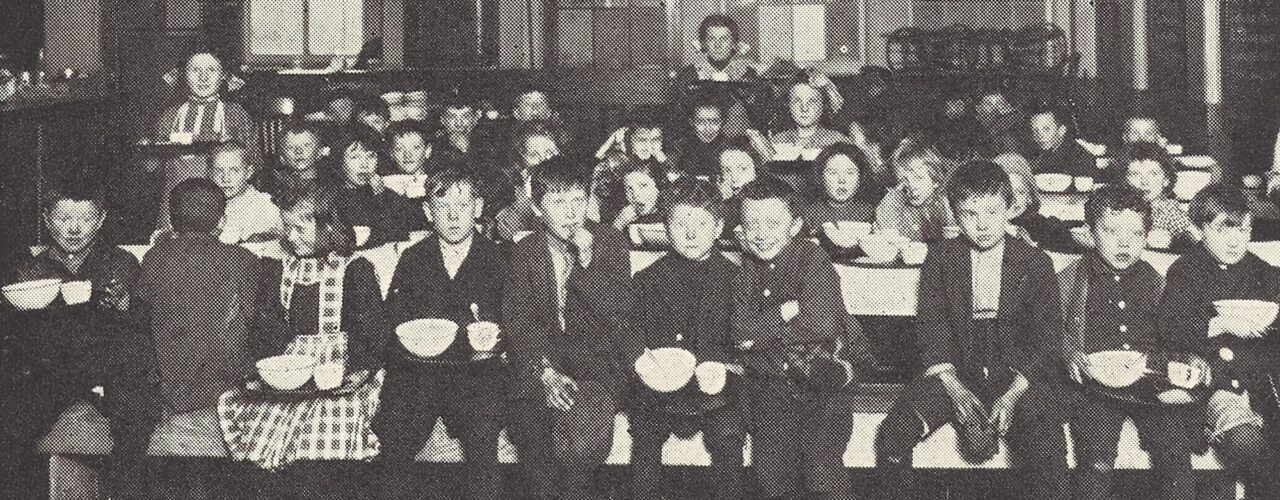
702	100
457	100
526	90
738	144
854	154
233	147
368	105
640	121
718	21
1141	151
556	175
196	205
333	231
299	127
771	188
1219	199
692	192
366	139
403	128
1059	115
976	178
441	181
529	130
1116	198
77	190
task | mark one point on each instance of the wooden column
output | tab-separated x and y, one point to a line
1212	51
1139	31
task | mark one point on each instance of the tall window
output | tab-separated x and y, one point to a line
303	29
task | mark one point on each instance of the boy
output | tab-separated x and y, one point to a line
459	119
684	300
988	328
1243	359
1058	151
697	154
562	303
1109	300
801	349
409	151
456	275
250	214
301	148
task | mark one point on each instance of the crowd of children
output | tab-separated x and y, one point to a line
516	229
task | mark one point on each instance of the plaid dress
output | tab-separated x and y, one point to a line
273	434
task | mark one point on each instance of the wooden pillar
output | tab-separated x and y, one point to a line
1212	51
1139	31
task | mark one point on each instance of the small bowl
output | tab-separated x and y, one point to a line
1053	183
1190	182
1252	181
31	295
1116	369
879	248
286	372
1083	184
711	376
427	337
483	335
329	375
841	237
666	369
76	292
1260	313
914	253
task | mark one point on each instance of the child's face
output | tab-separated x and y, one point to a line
1147	176
564	212
916	183
460	121
707	123
1226	243
301	151
983	219
646	142
768	226
1046	131
642	192
532	106
1141	130
204	76
1120	237
718	43
300	230
693	231
840	176
74	224
538	149
359	165
454	215
374	121
229	172
806	105
737	168
410	152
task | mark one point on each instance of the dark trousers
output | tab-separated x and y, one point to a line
312	480
1036	441
559	450
134	409
798	440
1165	433
723	431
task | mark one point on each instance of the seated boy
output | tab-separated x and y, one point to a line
193	303
1243	359
250	214
1109	301
455	275
409	151
801	349
738	166
684	300
562	303
1058	150
697	154
989	328
301	150
459	119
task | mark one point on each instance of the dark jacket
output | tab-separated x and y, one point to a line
1105	309
389	216
595	304
1029	325
1070	158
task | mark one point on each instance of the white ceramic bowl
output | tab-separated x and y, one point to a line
1259	313
329	375
483	335
1116	369
1083	184
35	294
879	248
666	369
914	253
427	337
286	372
843	237
1053	183
1190	182
76	292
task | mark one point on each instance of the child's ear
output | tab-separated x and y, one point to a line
796	225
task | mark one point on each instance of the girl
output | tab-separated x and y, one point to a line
1151	170
738	166
642	184
1025	220
917	207
844	173
364	201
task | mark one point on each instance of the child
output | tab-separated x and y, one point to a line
301	149
534	144
642	183
1243	359
409	152
684	300
989	331
372	112
459	119
563	301
1025	220
720	41
1058	151
843	173
697	154
809	98
738	165
445	276
1109	301
250	214
364	201
1142	129
801	349
916	208
1149	169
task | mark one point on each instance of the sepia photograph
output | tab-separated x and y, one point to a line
639	249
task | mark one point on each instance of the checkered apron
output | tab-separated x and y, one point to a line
273	434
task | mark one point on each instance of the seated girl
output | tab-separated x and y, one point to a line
1151	170
810	97
364	201
916	207
642	182
738	166
844	173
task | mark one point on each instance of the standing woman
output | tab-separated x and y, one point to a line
207	118
325	303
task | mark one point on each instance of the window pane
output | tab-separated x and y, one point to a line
276	27
336	27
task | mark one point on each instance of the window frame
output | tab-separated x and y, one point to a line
306	58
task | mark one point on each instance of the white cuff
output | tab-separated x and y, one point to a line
939	368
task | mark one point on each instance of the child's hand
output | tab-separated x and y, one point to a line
559	389
625	218
582	240
375	184
1002	413
790	309
969	410
819	80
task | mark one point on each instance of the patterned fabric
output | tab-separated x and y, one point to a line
1166	214
329	272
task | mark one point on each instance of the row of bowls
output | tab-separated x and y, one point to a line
669	369
1186	183
288	372
429	337
883	247
38	294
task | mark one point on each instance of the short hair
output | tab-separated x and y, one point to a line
718	21
702	100
771	188
441	181
333	231
368	105
196	205
1219	199
232	146
404	128
457	100
1059	115
362	137
1145	151
693	192
976	178
299	127
557	175
911	150
532	129
76	190
802	78
854	154
641	121
1116	198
